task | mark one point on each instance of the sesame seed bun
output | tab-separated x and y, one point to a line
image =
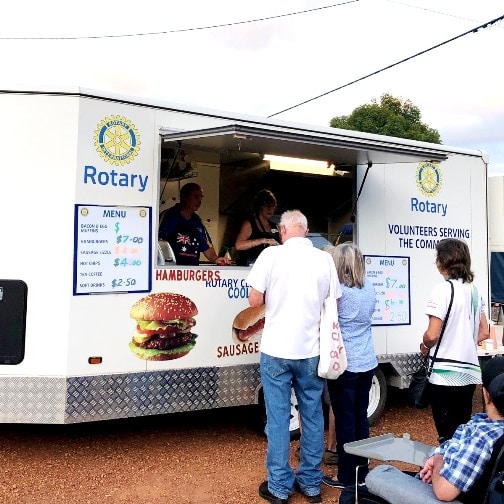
164	321
163	306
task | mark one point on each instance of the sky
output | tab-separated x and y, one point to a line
206	53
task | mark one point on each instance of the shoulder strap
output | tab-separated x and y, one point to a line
474	306
443	327
256	231
259	224
331	280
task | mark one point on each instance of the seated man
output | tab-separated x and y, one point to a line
183	229
454	468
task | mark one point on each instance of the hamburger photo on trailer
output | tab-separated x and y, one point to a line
163	326
248	324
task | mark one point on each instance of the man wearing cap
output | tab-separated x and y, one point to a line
456	464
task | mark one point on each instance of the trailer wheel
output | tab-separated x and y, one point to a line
377	396
295	432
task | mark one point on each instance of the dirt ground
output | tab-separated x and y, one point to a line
199	458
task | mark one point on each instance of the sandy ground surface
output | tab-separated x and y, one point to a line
200	458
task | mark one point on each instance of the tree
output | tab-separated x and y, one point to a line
392	117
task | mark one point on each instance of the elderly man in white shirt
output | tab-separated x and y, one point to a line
292	280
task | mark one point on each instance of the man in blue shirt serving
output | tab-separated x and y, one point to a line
183	229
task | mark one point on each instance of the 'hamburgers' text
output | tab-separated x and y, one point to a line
186	275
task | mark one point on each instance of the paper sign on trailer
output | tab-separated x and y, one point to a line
113	249
390	279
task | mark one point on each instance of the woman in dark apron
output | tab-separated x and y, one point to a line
257	231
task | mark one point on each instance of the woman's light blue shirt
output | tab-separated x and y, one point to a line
355	311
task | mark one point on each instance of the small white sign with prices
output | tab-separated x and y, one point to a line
112	249
390	276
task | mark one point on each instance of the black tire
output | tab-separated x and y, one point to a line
377	396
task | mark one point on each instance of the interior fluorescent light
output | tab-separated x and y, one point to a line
297	161
299	165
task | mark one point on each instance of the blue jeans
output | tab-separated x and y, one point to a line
349	400
278	376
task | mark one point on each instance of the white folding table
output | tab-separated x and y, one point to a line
387	447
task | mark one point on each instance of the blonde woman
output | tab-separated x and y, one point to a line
349	394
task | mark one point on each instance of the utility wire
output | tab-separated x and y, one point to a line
431	11
473	30
268	18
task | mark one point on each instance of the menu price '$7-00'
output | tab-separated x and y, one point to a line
127	238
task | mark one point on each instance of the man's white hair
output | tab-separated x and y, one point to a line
293	218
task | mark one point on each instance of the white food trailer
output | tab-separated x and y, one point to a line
85	175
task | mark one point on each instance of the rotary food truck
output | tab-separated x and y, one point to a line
85	176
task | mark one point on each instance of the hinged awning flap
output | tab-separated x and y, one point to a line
338	146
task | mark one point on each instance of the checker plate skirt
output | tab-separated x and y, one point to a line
59	400
107	397
404	364
32	400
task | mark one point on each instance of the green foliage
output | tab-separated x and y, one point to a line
392	117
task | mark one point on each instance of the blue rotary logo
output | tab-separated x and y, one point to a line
428	178
117	140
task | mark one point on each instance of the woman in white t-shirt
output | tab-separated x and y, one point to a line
456	370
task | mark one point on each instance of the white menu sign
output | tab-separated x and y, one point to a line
390	276
112	249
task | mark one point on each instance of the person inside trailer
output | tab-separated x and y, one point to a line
184	230
258	231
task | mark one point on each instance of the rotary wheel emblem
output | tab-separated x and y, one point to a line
117	140
429	179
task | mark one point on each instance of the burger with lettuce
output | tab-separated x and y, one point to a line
164	321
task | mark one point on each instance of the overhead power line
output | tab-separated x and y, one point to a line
222	25
473	30
429	10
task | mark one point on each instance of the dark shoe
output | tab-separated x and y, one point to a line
314	499
266	494
333	483
330	457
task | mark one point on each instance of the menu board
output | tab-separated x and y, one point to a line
112	249
390	276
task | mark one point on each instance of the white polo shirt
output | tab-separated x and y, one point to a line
457	358
295	277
